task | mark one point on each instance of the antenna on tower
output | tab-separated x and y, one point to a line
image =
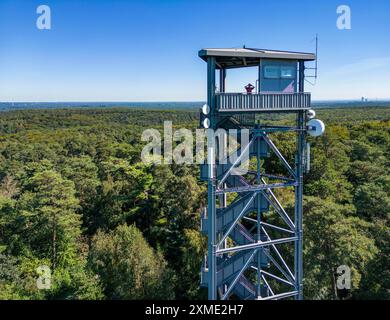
316	65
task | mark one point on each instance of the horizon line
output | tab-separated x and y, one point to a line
183	101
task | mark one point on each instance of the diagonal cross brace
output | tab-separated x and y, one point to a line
283	214
243	211
278	207
279	155
239	275
291	276
236	162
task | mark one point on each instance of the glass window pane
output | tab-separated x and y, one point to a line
287	72
271	72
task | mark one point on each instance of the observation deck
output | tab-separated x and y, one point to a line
240	102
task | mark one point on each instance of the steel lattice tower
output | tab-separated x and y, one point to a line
253	254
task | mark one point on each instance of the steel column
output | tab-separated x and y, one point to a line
222	80
301	76
212	264
298	263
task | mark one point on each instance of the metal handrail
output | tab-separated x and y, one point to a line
227	101
261	93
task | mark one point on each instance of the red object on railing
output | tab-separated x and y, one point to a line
249	88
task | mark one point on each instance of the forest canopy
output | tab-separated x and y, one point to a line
75	196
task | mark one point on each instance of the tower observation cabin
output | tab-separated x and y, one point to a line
254	244
280	84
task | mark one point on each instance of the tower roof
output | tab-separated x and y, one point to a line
247	57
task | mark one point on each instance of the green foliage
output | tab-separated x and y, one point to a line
193	249
50	222
75	196
375	283
128	267
333	238
18	278
372	201
75	283
10	279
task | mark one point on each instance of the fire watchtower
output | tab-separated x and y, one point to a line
249	255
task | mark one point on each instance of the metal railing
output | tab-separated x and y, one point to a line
262	101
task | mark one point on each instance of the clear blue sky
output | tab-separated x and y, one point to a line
117	50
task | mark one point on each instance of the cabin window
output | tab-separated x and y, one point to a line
287	72
271	72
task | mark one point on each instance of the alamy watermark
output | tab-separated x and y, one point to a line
343	21
44	277
183	146
344	17
343	278
44	18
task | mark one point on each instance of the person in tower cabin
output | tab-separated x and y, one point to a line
249	88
